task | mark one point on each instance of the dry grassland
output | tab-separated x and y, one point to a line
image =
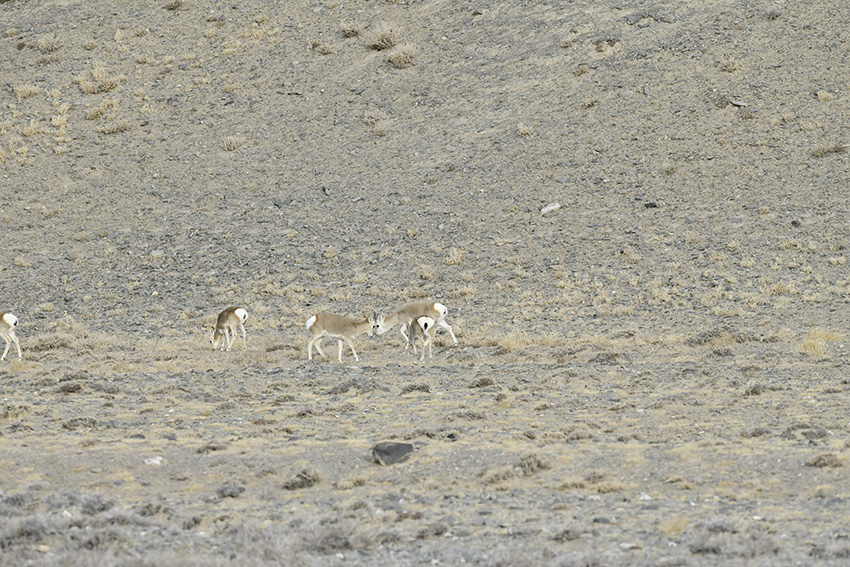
636	215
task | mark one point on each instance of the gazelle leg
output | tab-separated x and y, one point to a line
244	336
318	346
447	327
403	332
8	344
354	352
228	336
17	344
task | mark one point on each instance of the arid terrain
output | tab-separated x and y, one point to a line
636	212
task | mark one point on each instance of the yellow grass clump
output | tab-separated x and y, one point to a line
26	91
817	338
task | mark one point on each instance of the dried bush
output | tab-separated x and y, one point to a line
402	57
26	91
385	37
232	143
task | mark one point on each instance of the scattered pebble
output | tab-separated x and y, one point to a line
550	208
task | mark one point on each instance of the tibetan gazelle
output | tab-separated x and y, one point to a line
340	328
8	322
410	311
422	328
224	334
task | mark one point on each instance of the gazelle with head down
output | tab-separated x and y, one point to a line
411	311
224	334
422	328
8	322
340	328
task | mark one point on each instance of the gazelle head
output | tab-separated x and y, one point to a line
215	339
377	324
374	325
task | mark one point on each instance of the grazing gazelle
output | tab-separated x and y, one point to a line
225	328
340	328
410	311
8	322
422	328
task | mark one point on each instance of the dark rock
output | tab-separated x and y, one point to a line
390	453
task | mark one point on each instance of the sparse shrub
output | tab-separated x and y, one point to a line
91	504
303	479
455	256
116	127
755	432
814	342
230	490
822	151
385	37
605	45
416	388
232	143
321	48
482	382
26	91
721	536
402	57
745	113
50	43
728	66
825	460
350	29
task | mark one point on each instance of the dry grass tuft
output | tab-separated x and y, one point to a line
455	256
348	484
385	37
825	460
116	127
232	143
100	80
50	43
815	341
402	57
728	66
321	48
349	30
822	151
26	91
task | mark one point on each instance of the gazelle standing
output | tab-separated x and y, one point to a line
225	328
8	322
340	328
422	328
410	311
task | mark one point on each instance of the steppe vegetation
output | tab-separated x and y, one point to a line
636	215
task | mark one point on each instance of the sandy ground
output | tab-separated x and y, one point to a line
652	372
